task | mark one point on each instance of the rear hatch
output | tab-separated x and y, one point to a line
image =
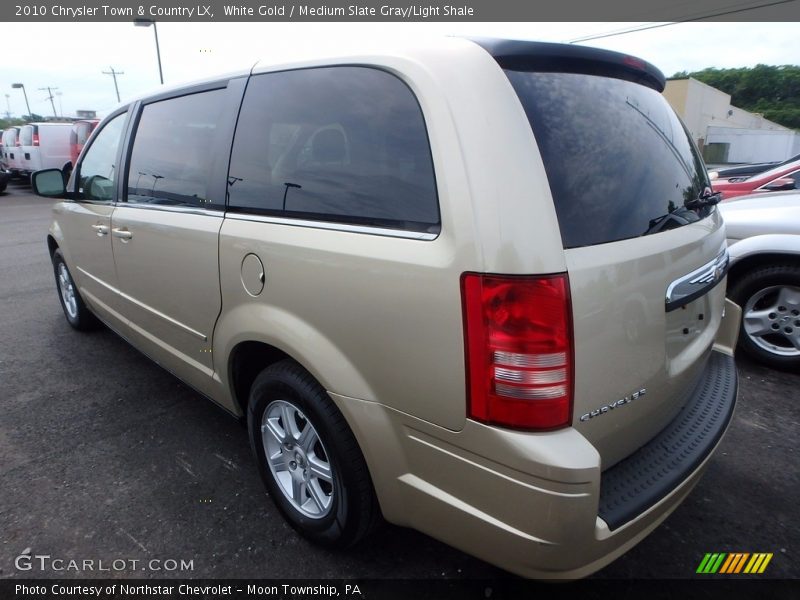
637	224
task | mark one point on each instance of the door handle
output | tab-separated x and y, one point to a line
122	234
100	229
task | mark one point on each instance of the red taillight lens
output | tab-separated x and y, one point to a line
35	139
518	338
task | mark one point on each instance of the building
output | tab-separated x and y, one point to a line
725	133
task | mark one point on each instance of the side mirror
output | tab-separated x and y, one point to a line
780	185
49	183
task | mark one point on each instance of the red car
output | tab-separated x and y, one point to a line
783	177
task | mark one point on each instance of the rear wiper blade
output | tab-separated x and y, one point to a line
707	198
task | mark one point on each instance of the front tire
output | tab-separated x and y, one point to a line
770	301
75	310
308	457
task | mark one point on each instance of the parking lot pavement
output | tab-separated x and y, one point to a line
105	456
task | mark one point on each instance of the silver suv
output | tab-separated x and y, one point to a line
473	286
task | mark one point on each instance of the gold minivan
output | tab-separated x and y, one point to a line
474	287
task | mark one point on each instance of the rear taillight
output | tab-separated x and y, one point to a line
518	338
35	139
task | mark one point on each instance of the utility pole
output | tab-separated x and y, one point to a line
8	106
50	97
114	74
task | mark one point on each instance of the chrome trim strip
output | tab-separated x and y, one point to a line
144	306
695	284
189	210
381	231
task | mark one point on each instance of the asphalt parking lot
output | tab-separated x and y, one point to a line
103	455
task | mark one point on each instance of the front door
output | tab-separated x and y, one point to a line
86	222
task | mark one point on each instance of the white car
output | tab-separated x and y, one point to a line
763	233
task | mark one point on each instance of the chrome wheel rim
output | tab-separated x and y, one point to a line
67	290
771	320
297	459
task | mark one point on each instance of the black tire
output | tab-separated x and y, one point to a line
755	285
352	512
79	316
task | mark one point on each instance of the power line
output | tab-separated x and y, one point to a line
50	97
114	74
686	20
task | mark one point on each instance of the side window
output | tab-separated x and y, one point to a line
97	172
173	151
342	144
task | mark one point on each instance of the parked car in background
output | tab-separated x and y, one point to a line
764	243
5	176
748	170
11	150
389	264
44	146
782	178
81	130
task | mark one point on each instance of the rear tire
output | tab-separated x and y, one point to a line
75	310
770	301
309	459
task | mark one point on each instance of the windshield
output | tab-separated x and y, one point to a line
617	157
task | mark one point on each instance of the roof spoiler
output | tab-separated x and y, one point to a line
518	55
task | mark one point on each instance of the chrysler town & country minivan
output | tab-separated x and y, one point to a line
474	287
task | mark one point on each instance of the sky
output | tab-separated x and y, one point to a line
72	56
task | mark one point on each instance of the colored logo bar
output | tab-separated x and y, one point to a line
733	563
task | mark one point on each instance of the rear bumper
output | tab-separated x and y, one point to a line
538	504
651	473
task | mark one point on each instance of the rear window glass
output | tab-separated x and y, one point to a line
26	135
342	144
617	157
82	131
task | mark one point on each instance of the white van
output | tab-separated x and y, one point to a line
44	146
11	152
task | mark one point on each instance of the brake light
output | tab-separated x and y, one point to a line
519	350
35	139
634	62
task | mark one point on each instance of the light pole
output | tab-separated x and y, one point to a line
8	106
17	86
146	23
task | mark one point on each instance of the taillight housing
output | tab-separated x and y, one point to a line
35	139
519	350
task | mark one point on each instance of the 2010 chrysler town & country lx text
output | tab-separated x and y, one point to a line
467	285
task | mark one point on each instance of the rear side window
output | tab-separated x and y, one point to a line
342	144
173	153
617	158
